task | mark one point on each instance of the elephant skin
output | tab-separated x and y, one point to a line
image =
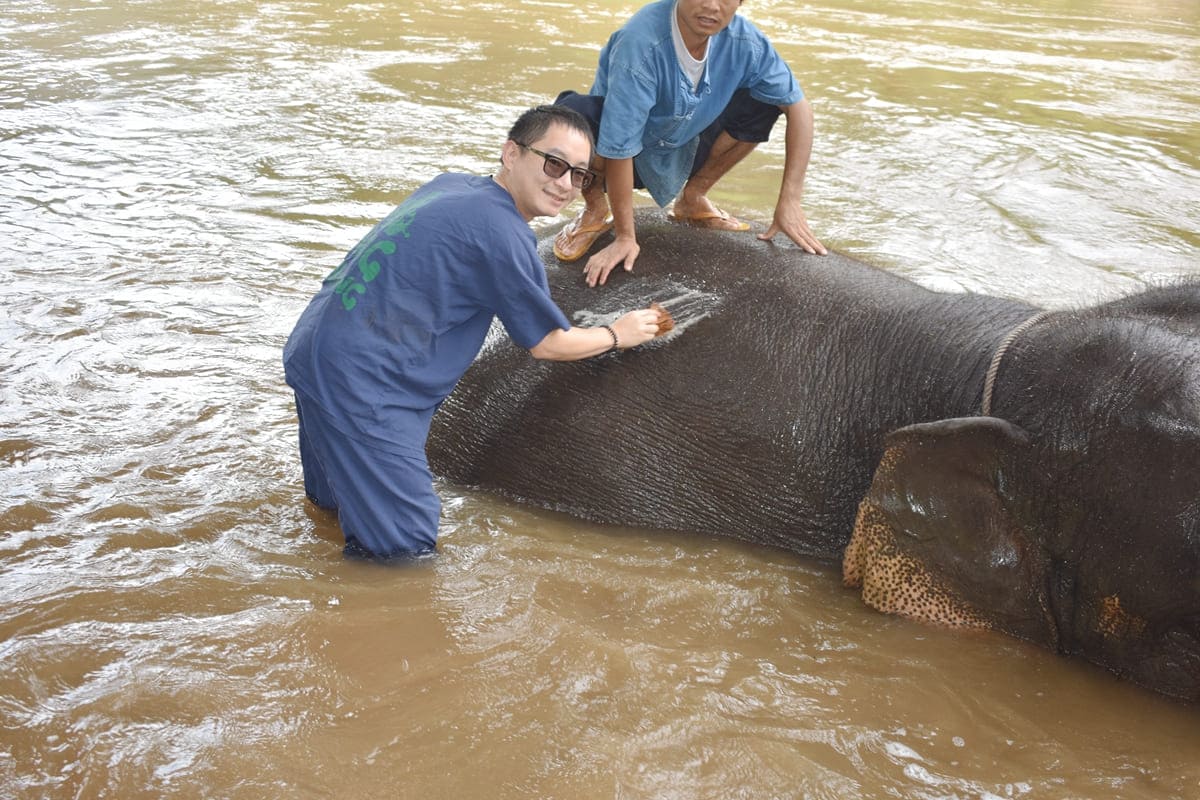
831	408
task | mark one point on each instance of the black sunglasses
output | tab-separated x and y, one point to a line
555	167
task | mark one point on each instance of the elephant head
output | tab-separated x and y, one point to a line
1072	518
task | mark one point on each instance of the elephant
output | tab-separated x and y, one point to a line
974	461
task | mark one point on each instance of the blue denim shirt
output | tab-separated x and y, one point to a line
651	112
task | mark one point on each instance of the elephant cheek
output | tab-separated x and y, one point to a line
896	583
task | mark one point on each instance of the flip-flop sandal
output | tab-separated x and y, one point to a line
716	220
573	241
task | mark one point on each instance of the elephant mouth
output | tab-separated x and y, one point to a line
1182	677
1165	661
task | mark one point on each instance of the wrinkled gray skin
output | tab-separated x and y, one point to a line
1070	518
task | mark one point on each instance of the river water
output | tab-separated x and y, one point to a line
175	178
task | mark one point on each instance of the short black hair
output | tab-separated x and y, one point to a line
533	124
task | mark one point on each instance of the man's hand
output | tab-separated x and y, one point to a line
789	214
622	249
790	219
636	327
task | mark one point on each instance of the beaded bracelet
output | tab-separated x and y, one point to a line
616	343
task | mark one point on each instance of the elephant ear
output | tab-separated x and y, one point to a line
939	536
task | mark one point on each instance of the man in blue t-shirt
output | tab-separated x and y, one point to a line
683	92
393	328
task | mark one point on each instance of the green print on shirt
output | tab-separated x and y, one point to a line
396	224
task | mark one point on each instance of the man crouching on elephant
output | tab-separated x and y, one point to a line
392	329
683	92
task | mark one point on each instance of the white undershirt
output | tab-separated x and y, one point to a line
692	68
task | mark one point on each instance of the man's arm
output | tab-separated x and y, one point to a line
619	177
632	329
789	212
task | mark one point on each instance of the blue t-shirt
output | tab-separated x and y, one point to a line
395	326
651	111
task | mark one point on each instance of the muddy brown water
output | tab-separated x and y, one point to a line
175	178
